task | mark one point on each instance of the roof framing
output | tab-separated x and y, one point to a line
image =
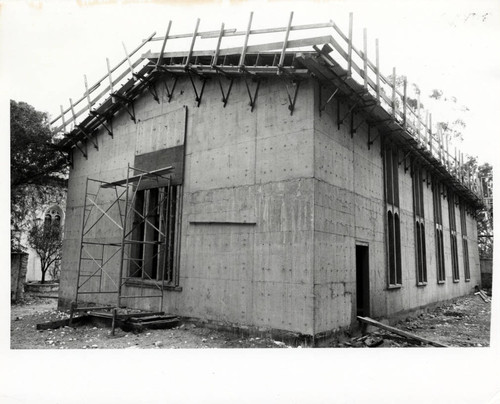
332	59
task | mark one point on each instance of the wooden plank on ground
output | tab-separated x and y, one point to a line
61	323
394	330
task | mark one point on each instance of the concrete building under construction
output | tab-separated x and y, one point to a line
282	185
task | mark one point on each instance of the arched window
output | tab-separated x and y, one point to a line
53	216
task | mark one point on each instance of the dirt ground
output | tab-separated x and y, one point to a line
465	322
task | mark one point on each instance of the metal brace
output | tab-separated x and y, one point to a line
409	166
252	99
291	102
128	104
109	128
83	152
153	92
323	107
354	130
225	96
341	121
404	159
87	136
170	91
370	140
150	85
200	95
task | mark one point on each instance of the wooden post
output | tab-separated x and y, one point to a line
63	120
349	47
461	167
448	163
193	40
440	141
217	48
378	70
128	59
72	110
160	59
430	131
245	44
404	103
87	90
285	42
418	118
455	162
365	59
110	82
394	92
426	129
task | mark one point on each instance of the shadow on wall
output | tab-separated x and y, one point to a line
486	265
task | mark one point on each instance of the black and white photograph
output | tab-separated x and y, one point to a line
250	201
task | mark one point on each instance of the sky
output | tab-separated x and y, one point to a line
47	46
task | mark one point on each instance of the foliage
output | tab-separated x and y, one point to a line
453	129
37	168
485	220
46	240
485	217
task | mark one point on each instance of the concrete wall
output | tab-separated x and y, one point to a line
273	207
349	208
247	226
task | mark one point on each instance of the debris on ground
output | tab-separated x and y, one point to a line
464	322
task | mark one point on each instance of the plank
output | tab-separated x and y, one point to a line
99	96
105	76
234	32
394	330
51	325
293	43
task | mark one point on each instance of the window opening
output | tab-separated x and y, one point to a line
438	223
453	236
418	212
465	242
391	179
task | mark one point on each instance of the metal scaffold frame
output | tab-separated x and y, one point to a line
101	251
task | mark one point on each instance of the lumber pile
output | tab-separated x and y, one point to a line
483	296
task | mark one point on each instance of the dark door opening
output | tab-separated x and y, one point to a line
362	281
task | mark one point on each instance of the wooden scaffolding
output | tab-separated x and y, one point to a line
343	71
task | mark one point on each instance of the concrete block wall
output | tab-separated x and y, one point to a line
247	225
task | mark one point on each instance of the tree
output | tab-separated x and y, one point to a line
452	128
37	167
46	240
485	219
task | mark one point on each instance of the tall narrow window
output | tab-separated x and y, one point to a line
438	224
453	236
154	254
418	212
393	216
465	244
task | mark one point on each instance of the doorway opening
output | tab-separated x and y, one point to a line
362	281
